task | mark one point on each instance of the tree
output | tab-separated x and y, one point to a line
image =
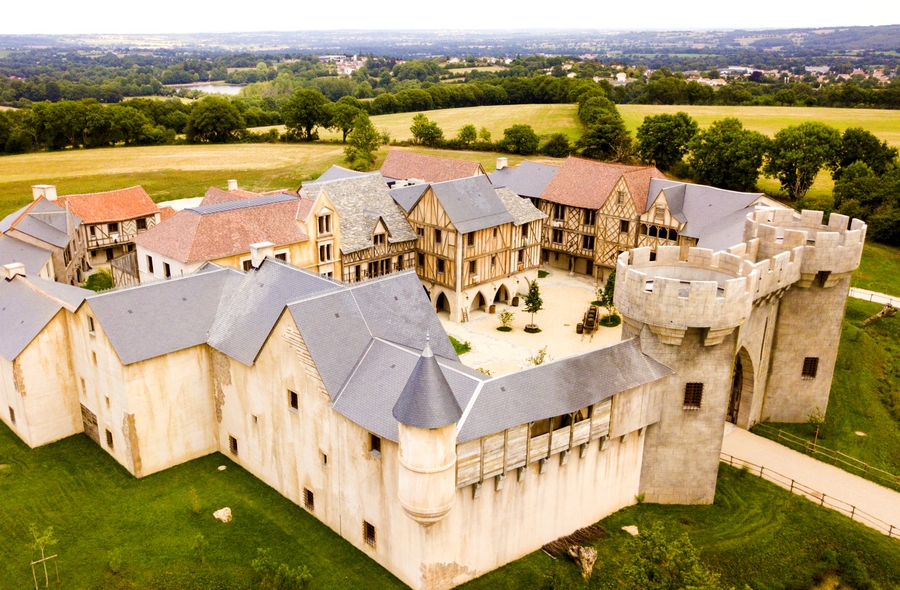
533	301
557	146
342	117
859	145
860	193
214	120
727	156
663	139
520	139
467	135
484	135
364	142
305	111
606	294
654	562
41	541
798	153
425	131
271	576
606	139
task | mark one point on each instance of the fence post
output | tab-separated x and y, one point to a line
852	512
822	503
761	470
792	486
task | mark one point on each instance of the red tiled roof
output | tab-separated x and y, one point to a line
189	237
117	205
587	184
406	165
216	195
166	213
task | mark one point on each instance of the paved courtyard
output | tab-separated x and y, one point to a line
566	298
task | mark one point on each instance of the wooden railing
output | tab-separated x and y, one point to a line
836	458
819	498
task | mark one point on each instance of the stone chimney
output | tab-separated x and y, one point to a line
48	191
502	163
232	185
259	251
11	270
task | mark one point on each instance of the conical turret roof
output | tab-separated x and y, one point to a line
427	400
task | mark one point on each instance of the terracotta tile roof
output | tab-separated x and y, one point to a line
216	195
117	205
166	213
587	184
406	165
190	236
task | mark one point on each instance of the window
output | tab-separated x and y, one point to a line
141	224
255	419
420	231
325	253
247	265
590	217
309	499
673	235
324	460
324	224
12	415
282	257
557	236
83	387
472	267
167	270
693	396
624	226
93	231
440	266
150	264
233	445
559	212
810	367
587	242
495	233
470	239
378	239
659	214
90	324
369	533
620	196
420	260
524	231
294	400
437	236
521	256
375	444
109	253
67	255
109	440
107	401
653	257
493	261
113	228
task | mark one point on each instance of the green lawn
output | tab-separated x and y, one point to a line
865	394
95	507
460	347
879	269
755	534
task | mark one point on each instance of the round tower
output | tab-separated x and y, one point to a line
427	412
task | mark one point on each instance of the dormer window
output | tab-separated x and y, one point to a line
324	222
378	239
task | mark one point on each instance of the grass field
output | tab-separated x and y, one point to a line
755	534
879	269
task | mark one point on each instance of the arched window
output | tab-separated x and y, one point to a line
643	229
652	233
663	233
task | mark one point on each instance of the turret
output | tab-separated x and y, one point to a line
427	412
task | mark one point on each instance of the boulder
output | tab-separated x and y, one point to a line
224	514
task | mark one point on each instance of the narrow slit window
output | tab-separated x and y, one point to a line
309	499
12	415
294	400
693	395
810	367
233	445
369	533
375	444
109	440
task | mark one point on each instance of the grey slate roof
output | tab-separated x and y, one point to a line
336	173
13	250
471	203
242	204
361	201
27	305
520	208
245	322
557	388
44	220
700	207
726	232
528	179
150	320
427	401
408	196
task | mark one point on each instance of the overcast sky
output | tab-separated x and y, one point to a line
187	16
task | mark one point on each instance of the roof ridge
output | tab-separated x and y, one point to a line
26	210
105	192
36	289
130	288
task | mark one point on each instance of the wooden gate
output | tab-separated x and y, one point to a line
89	419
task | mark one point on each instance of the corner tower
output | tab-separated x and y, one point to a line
427	412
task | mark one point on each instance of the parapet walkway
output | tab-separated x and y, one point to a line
837	484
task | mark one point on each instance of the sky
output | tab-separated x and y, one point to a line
187	16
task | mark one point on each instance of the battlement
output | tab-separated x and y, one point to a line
708	290
829	251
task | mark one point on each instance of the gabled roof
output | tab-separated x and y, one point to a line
27	304
427	401
587	184
43	220
361	201
471	203
216	195
408	196
13	250
520	208
337	173
225	229
109	206
403	165
528	179
166	213
150	320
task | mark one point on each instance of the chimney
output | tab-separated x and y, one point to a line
502	163
232	185
11	270
48	191
259	251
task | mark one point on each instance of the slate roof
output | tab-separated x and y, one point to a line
472	203
403	165
427	401
13	250
27	304
147	321
117	205
225	229
43	220
337	173
587	184
699	206
408	196
520	208
528	179
361	201
557	388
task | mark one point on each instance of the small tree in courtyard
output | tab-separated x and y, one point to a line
533	303
606	295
